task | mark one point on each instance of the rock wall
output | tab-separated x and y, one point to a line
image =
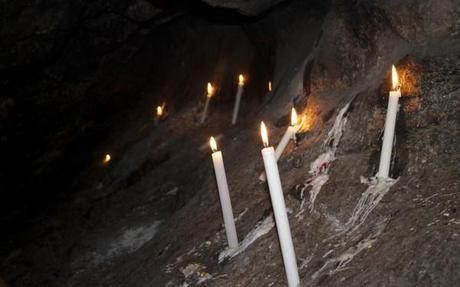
81	79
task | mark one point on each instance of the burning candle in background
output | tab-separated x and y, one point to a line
239	93
107	159
269	86
279	210
159	114
224	195
159	111
390	122
210	92
288	135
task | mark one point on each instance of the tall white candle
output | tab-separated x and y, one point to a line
289	134
279	210
390	122
239	93
224	195
210	93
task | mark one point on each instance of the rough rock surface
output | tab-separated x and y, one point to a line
247	7
152	216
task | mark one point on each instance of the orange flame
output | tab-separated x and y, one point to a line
269	86
159	111
107	158
210	90
241	80
294	118
213	144
264	134
394	78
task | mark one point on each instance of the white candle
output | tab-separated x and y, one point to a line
390	122
289	134
239	93
210	93
279	210
224	195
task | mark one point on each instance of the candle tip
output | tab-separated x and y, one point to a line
264	134
269	86
213	144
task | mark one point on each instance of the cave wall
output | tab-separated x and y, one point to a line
75	75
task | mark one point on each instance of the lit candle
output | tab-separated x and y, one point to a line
159	111
239	93
159	114
107	159
210	93
269	86
279	210
289	134
390	122
224	195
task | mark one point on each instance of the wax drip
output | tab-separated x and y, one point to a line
320	167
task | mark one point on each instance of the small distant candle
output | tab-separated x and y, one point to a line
241	80
210	92
239	93
269	86
159	111
107	158
210	89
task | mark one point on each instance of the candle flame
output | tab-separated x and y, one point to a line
394	78
213	144
264	134
159	111
269	86
241	80
294	118
210	90
107	158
